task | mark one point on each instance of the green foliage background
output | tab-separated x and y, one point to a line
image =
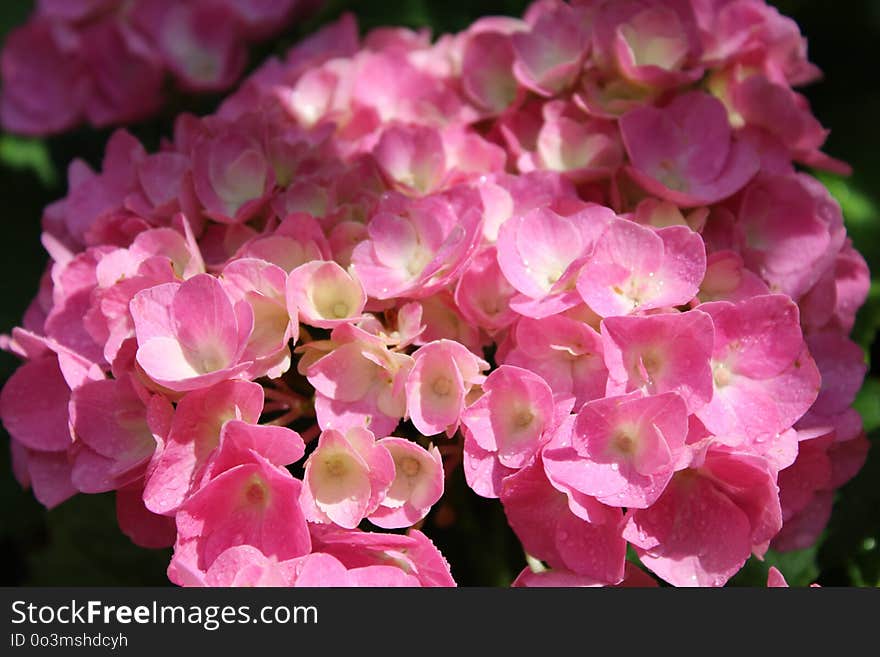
78	543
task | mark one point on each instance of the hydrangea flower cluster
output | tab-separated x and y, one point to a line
569	253
107	61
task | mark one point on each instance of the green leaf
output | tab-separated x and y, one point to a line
28	154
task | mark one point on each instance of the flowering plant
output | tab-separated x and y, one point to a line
569	254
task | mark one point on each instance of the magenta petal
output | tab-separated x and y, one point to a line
33	405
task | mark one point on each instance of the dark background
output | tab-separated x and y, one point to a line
79	543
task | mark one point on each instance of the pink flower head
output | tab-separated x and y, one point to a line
251	504
539	253
621	450
759	362
574	532
359	383
417	485
636	268
506	427
346	477
685	152
566	352
323	294
549	55
191	335
190	438
438	384
668	352
415	247
708	521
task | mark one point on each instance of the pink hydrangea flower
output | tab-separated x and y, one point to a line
620	450
685	152
438	384
667	352
249	504
650	43
582	148
359	383
114	442
790	232
483	294
635	268
487	69
412	157
189	435
418	484
190	334
346	477
324	295
263	286
231	175
506	427
550	53
708	520
759	360
566	352
540	252
414	247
